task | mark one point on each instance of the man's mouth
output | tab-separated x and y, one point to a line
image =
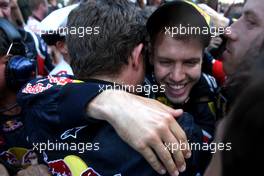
176	89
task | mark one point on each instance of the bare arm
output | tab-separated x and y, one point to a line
155	125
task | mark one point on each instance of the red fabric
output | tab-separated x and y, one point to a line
41	66
218	72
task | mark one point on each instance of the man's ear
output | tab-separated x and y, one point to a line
61	46
137	57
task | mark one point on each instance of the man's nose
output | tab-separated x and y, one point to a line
230	32
177	73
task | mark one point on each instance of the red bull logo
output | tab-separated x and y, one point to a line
59	168
90	172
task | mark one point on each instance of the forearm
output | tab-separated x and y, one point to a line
155	124
105	106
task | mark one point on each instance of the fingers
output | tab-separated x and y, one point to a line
177	112
166	158
178	131
174	112
181	137
151	158
172	144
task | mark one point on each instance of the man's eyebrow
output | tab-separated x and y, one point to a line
252	14
164	58
194	58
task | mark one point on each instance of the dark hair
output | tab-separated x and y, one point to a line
244	132
34	4
238	81
176	14
245	124
121	28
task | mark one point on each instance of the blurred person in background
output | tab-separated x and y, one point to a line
54	36
53	5
9	9
15	71
39	10
234	11
36	47
24	8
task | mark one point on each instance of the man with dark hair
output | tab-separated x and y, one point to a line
107	55
179	34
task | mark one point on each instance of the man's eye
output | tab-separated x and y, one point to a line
250	23
3	6
165	62
191	63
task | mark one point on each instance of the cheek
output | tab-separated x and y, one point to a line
195	72
160	72
255	42
7	12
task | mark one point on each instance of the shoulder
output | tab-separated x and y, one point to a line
209	81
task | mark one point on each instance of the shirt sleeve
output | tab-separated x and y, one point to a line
58	101
73	102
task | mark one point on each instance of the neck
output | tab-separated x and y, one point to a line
121	80
113	79
38	16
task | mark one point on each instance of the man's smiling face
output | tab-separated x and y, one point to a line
177	65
